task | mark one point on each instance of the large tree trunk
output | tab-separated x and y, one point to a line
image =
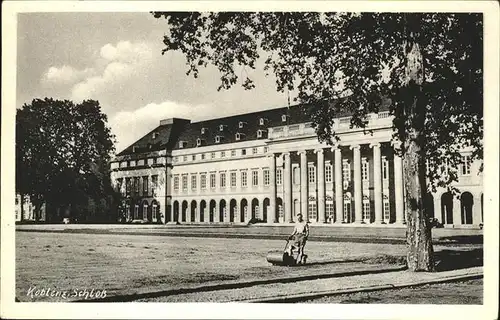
420	255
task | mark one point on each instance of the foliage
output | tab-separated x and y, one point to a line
356	60
62	152
427	66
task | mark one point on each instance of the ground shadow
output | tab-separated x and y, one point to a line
321	263
468	239
458	259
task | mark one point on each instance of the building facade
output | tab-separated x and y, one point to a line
268	166
25	210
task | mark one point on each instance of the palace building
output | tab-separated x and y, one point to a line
268	166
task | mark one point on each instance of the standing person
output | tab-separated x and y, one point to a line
299	236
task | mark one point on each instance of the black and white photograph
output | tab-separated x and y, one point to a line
192	159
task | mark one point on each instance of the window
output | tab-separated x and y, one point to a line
311	170
385	169
193	182
364	169
223	154
366	209
347	208
238	137
185	158
136	184
346	171
233	179
145	186
154	184
193	157
132	163
127	185
176	159
212	180
184	182
296	175
217	139
266	177
279	176
283	118
198	142
241	124
266	149
118	186
312	210
254	150
328	173
261	121
222	179
202	156
465	165
203	181
255	178
203	130
243	178
212	155
387	210
347	212
243	152
259	133
155	160
176	183
329	209
257	212
233	153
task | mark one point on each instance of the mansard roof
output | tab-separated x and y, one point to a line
162	137
169	135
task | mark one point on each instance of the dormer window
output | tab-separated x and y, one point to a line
199	142
240	136
150	146
203	130
222	127
241	124
262	121
284	118
218	139
261	133
155	135
134	149
182	144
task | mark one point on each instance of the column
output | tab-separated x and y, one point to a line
287	180
399	189
188	212
437	206
339	197
172	216
271	213
321	185
377	176
216	211
476	210
304	183
457	211
358	192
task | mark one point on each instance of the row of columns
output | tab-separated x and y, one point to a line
358	187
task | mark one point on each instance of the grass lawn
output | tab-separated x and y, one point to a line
125	264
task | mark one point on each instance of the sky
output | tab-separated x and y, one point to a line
116	58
